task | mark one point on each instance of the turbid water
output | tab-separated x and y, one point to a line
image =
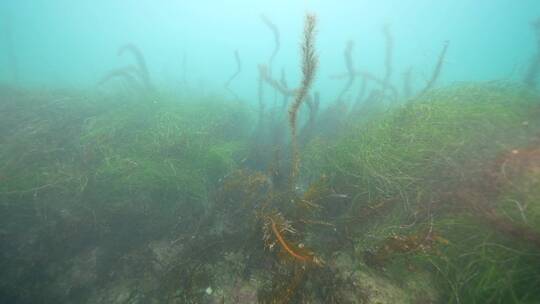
232	152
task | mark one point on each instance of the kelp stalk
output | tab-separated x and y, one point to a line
12	58
438	68
389	42
127	74
277	44
367	76
309	67
347	55
308	129
142	69
283	82
407	82
534	67
236	73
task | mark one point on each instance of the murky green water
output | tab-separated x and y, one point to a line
240	152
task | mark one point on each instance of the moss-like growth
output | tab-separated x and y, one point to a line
164	148
439	134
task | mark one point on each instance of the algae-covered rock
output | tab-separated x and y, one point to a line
444	185
429	136
518	173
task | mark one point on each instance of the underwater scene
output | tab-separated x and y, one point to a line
240	151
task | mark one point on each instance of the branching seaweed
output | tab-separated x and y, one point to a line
277	44
279	86
275	227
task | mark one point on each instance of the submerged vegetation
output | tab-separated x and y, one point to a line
128	195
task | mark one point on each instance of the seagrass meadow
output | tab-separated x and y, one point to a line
232	152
